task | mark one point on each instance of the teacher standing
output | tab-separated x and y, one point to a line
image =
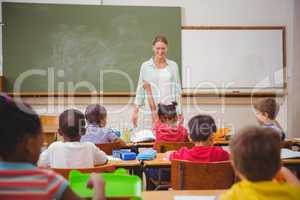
158	82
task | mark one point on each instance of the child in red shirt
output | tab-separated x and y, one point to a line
201	129
167	128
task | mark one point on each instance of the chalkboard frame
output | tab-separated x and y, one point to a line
236	92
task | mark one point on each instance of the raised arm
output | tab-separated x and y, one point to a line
147	88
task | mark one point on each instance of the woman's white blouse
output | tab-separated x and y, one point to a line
165	84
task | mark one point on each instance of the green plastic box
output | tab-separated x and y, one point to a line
117	184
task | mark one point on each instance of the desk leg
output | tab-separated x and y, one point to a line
134	149
138	170
151	173
134	170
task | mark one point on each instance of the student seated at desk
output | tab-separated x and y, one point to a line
256	160
96	117
266	112
20	145
167	128
71	153
202	128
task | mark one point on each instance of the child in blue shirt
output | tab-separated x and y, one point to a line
266	112
96	117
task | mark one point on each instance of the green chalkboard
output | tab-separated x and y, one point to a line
65	48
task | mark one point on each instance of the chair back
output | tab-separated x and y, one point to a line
65	171
108	147
50	127
49	122
162	147
187	175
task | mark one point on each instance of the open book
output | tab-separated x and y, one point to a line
287	153
142	136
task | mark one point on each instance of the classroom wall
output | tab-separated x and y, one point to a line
213	12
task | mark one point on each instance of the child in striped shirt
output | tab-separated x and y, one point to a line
20	144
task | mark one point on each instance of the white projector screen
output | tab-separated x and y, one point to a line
232	59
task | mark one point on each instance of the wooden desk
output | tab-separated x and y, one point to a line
49	120
140	144
161	162
295	141
169	195
50	127
134	166
134	147
125	163
222	143
158	162
295	161
50	135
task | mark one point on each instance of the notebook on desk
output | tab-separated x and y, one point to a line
287	153
142	136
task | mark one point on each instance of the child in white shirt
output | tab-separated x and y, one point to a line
71	153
